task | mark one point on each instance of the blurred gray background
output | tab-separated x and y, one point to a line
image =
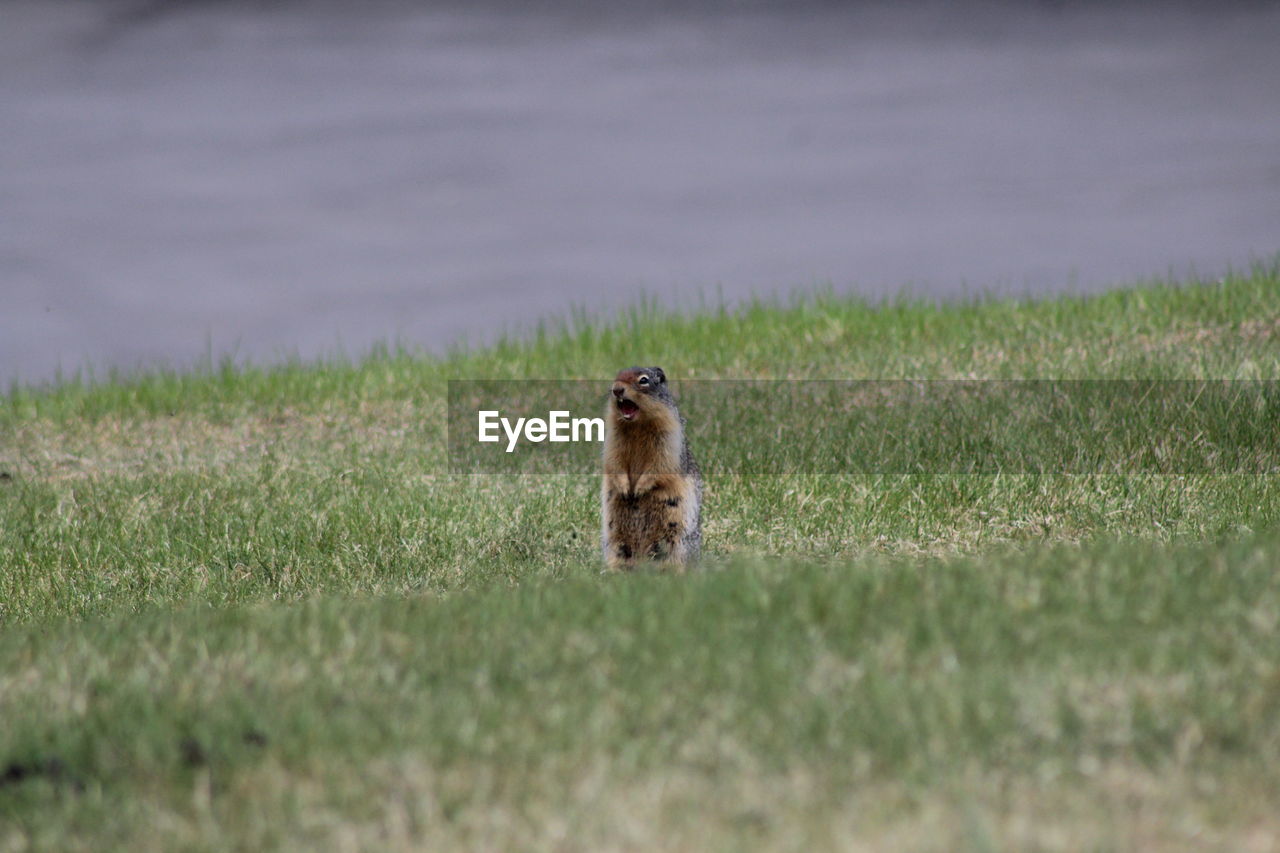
276	179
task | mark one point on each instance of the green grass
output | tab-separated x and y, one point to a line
250	608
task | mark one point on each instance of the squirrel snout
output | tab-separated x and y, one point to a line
619	390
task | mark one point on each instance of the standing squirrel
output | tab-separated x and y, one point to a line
651	497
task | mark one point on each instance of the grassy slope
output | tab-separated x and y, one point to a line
908	661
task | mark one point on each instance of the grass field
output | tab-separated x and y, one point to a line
249	608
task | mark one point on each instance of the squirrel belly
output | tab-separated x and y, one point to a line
651	493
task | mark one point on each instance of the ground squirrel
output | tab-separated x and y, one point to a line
651	497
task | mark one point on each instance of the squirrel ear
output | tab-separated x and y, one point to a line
662	377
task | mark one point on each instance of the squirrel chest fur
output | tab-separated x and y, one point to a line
651	496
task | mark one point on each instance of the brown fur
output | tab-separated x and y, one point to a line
651	491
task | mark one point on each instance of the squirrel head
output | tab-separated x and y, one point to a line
641	394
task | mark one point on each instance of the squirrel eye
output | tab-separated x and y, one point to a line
644	380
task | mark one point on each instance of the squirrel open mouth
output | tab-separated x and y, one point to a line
628	409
